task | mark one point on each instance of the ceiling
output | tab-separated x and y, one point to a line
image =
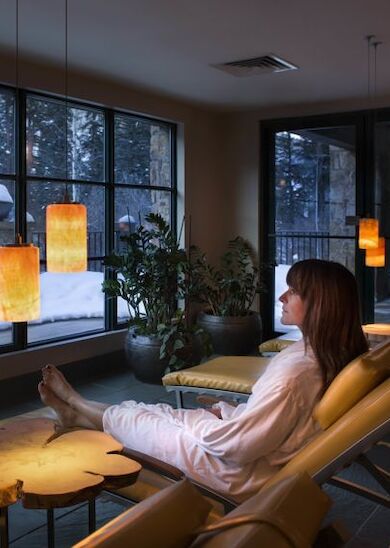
169	46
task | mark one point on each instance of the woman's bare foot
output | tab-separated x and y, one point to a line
57	383
66	415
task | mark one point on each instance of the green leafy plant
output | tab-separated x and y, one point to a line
152	277
230	289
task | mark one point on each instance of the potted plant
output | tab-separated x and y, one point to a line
151	278
228	293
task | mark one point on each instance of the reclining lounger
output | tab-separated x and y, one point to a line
354	414
226	376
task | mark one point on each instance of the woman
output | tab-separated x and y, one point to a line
235	450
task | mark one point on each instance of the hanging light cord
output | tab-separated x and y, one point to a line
375	46
369	38
66	198
17	46
18	236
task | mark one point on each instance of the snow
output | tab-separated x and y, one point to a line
72	296
126	219
29	217
79	295
5	196
280	287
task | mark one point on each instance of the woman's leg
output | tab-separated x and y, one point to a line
90	410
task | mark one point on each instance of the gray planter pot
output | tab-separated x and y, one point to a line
233	335
143	357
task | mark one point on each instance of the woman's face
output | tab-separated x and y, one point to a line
293	310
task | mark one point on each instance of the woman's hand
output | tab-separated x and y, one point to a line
215	411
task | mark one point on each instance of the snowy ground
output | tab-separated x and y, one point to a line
79	296
74	304
72	296
280	287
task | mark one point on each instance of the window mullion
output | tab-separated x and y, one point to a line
20	329
110	305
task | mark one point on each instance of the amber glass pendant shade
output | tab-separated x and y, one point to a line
19	283
377	257
368	233
66	237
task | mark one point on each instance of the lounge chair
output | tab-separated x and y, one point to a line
354	414
230	377
288	514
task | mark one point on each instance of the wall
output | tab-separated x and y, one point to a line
203	197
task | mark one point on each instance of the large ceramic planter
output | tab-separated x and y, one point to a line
143	357
233	335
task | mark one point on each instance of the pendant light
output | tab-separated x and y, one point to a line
19	263
66	241
376	257
66	222
19	282
368	233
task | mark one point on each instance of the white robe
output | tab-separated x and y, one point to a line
235	455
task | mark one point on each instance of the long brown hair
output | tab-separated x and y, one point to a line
331	323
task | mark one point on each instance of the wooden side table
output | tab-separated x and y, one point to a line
47	470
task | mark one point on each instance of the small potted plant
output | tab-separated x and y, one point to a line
228	293
151	278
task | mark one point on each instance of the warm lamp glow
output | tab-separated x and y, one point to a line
66	237
376	257
19	283
368	233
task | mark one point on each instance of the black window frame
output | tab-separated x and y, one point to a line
20	179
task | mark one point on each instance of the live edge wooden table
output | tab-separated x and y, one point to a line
46	469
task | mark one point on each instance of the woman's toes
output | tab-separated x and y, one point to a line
46	371
44	392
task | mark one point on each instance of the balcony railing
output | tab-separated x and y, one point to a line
95	245
291	247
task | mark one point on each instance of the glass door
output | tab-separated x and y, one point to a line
312	186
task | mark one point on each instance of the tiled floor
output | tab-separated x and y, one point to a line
367	523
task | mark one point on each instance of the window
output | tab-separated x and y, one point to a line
143	176
314	194
108	161
319	175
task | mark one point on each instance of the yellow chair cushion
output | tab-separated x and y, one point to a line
168	518
371	412
289	513
274	345
353	383
231	373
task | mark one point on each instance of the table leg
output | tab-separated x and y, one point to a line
50	528
91	516
4	527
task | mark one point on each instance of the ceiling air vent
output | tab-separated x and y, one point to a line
257	65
